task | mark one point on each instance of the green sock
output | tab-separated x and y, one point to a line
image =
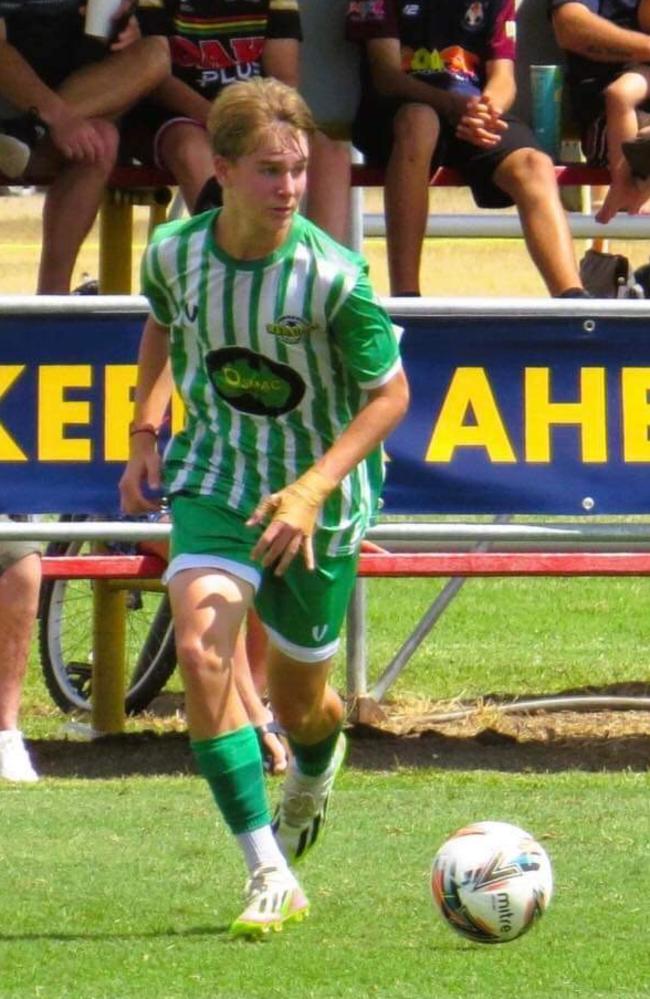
232	765
314	760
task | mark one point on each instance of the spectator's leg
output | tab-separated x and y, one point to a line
527	175
71	204
416	130
19	586
115	83
328	185
622	97
185	151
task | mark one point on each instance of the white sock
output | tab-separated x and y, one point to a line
260	849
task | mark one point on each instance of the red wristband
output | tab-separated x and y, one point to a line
142	428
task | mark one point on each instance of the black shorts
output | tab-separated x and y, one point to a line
53	42
372	135
587	103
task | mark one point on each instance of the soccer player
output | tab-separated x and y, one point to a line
291	377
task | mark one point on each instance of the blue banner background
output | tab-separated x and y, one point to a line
433	348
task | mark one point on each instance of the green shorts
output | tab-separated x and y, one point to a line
303	612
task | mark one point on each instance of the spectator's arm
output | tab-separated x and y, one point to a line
643	15
579	30
390	80
22	87
500	86
280	59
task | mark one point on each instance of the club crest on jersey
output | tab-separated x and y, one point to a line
253	383
290	329
474	17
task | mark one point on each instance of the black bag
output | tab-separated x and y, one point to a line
604	274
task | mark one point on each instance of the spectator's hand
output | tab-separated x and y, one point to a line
142	467
128	27
77	138
293	512
481	124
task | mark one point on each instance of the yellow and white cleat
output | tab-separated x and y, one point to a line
273	898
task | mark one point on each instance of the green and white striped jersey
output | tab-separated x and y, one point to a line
272	358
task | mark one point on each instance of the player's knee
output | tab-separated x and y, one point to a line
200	665
293	715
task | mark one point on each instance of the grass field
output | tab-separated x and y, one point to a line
124	887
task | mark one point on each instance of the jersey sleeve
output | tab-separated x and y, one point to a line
284	20
365	335
153	287
502	41
368	19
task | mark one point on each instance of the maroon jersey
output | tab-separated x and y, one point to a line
443	42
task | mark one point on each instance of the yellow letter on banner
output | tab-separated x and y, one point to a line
470	390
119	386
590	414
56	412
635	390
9	450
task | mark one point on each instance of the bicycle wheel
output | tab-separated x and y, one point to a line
65	640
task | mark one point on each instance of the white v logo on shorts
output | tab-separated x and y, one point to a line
318	632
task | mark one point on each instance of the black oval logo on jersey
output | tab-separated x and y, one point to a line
253	383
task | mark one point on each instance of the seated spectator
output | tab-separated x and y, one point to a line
437	84
59	91
213	45
20	577
608	78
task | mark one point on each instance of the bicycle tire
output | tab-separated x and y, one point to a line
65	640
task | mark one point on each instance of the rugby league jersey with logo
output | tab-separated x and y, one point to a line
443	42
216	42
272	358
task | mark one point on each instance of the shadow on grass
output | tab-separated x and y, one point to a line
599	743
194	931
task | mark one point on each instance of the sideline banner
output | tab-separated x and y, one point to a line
509	413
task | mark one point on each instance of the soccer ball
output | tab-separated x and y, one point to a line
491	881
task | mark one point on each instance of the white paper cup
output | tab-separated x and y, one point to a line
99	17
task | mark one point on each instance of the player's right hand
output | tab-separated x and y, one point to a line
143	466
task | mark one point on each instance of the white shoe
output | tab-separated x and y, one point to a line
15	763
273	898
14	156
302	811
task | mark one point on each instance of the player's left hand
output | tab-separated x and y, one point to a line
292	513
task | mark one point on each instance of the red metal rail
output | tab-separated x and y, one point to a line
397	565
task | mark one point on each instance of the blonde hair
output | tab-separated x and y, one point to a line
242	111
